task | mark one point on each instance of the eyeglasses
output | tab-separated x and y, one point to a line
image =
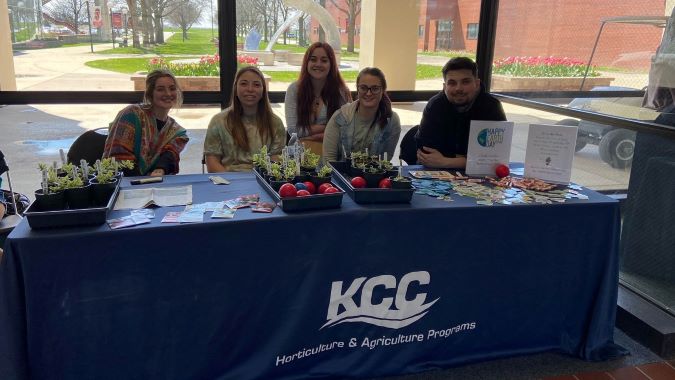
373	89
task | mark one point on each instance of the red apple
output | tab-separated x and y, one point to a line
502	171
303	193
331	190
324	186
310	187
287	190
358	182
385	183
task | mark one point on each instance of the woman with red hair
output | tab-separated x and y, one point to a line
316	95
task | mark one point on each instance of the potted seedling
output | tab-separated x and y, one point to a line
373	175
276	176
309	161
260	161
399	181
50	196
77	191
323	175
103	184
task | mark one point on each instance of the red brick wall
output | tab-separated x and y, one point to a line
568	28
341	21
564	28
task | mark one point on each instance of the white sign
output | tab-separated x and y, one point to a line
550	151
489	146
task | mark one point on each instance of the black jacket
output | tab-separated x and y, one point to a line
446	129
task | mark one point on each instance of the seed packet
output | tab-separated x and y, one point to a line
263	207
223	213
171	217
242	201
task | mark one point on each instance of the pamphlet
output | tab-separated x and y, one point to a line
243	201
191	216
263	207
489	146
171	217
550	151
160	196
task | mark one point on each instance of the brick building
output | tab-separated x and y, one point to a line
564	28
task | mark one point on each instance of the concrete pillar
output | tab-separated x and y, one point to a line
389	40
7	75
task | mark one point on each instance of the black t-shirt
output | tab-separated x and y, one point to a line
446	129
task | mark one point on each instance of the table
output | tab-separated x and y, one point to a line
358	291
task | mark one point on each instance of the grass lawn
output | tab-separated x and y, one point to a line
199	43
132	65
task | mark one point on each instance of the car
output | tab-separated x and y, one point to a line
615	145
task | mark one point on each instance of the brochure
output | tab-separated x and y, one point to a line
159	196
489	146
550	151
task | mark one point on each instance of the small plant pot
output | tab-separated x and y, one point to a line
373	179
307	170
317	181
299	178
404	183
392	172
78	197
356	172
101	192
276	184
50	202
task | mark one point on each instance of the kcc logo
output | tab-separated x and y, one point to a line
382	314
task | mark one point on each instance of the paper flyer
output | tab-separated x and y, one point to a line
550	152
489	146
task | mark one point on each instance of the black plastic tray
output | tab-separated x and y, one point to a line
368	195
70	217
310	202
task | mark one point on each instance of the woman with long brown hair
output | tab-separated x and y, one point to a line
145	133
244	127
316	95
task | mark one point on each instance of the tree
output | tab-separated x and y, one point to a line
73	12
322	33
185	14
351	9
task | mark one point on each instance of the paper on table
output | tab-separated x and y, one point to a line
489	146
160	196
550	152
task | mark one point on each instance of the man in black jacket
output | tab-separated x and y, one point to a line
443	137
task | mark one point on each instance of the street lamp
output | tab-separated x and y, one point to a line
124	12
112	29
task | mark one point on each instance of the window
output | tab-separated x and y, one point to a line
420	31
471	31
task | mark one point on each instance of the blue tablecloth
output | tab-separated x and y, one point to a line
357	291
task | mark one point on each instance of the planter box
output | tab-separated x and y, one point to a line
265	58
188	83
509	83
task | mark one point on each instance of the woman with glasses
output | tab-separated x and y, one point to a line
244	127
316	95
146	134
368	122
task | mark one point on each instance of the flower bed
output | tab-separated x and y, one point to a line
544	74
201	75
